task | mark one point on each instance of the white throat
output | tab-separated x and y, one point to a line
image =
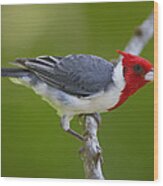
118	77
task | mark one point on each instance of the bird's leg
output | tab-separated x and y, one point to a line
65	124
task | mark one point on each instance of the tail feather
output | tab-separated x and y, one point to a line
14	72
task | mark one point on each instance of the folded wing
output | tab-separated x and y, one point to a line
80	75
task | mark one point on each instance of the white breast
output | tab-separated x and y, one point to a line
100	102
69	104
65	103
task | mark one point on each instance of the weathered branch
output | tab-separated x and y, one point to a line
91	152
142	35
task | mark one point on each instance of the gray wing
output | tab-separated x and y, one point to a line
80	75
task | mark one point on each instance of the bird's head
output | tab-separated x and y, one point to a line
137	71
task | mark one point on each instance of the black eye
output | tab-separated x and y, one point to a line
138	69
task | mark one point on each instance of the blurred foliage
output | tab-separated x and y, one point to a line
33	144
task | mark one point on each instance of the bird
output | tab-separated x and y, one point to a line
79	84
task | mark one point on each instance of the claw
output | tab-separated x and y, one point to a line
65	124
95	115
77	135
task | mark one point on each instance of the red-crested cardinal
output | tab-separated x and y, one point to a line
81	84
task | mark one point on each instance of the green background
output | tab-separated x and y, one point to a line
33	144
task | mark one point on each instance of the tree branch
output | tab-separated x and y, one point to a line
91	151
142	35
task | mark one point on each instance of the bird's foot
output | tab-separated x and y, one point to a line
65	124
95	115
77	135
97	118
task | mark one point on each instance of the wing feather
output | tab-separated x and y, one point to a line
81	75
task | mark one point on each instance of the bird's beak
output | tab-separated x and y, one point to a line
149	76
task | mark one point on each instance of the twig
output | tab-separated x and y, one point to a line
142	35
91	152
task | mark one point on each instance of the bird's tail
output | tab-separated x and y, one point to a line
14	72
